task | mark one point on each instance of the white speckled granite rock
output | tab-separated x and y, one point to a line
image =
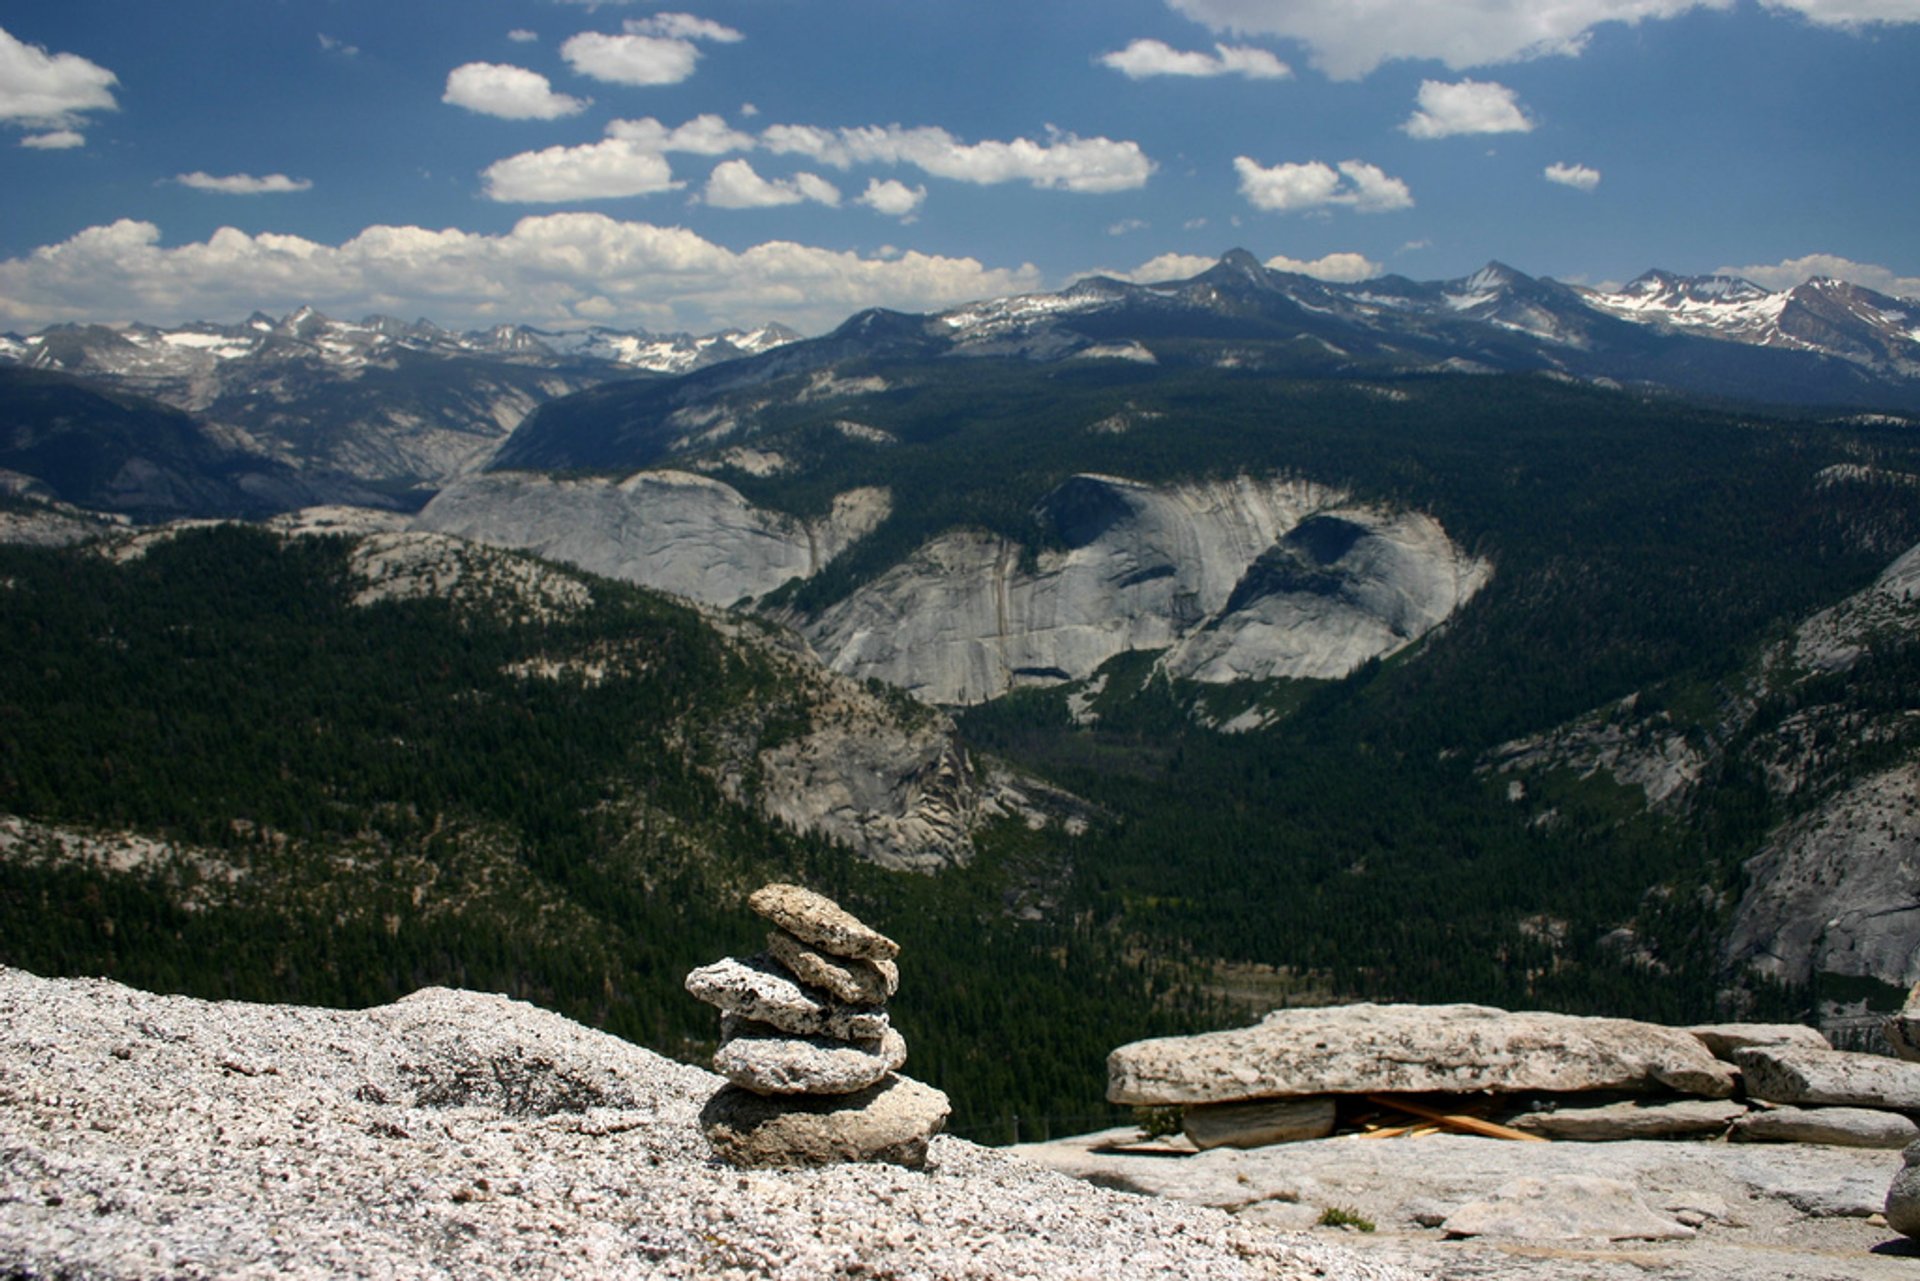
1840	1127
455	1134
1360	1049
890	1122
817	919
1782	1074
856	982
761	1058
757	989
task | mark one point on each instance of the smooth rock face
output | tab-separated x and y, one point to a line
1566	1208
1360	1049
856	982
1254	1125
1785	1075
1241	579
761	1058
890	1122
1722	1039
1840	1127
1833	891
669	530
756	989
1685	1118
820	921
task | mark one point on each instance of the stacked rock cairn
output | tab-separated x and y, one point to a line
805	1043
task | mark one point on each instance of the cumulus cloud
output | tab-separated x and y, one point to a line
51	90
512	93
554	270
1145	58
1797	271
1579	177
649	51
1064	161
520	35
893	198
629	161
1348	39
610	169
57	140
244	184
734	185
1472	106
1344	268
1291	188
707	135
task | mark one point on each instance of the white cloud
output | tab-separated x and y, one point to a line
244	184
1349	38
341	47
893	198
683	26
1164	267
1472	106
1345	268
554	270
1579	177
1065	161
50	89
1146	57
630	60
520	35
1126	226
734	185
1797	271
1290	188
606	170
57	140
629	161
649	51
512	93
707	135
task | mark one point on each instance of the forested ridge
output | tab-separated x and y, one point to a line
404	808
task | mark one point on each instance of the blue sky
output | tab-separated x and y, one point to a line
714	162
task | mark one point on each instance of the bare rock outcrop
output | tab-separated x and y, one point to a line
669	530
458	1134
1360	1049
1240	579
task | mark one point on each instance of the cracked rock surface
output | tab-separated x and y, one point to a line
453	1134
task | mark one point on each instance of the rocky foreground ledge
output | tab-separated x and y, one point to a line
458	1135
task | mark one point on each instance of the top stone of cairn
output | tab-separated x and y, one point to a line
821	922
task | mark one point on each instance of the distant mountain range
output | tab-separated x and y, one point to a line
362	410
1823	343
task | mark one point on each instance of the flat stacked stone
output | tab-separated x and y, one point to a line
812	1060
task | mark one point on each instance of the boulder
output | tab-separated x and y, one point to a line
758	990
1781	1074
1255	1125
1903	1196
1839	1127
761	1058
1569	1207
855	982
1412	1049
1633	1119
1722	1039
822	922
890	1122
